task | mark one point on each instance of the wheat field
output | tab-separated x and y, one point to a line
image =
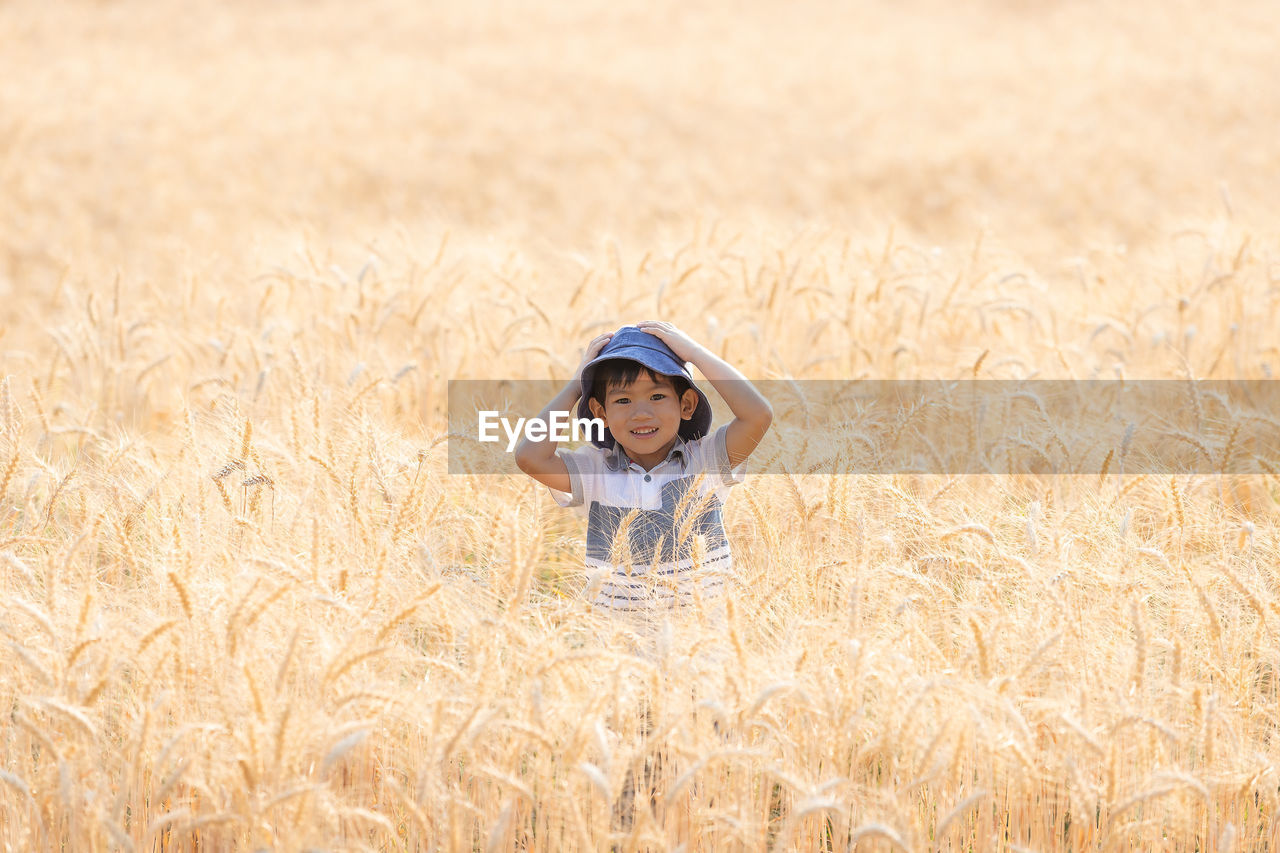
244	246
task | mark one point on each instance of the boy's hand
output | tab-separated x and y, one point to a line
593	350
685	347
752	413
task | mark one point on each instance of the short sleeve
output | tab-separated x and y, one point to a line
712	456
730	475
582	465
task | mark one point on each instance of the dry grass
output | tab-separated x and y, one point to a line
245	246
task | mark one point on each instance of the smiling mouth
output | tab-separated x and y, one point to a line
644	431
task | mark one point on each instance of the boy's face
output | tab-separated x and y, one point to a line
645	416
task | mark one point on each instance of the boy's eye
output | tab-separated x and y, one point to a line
657	396
621	400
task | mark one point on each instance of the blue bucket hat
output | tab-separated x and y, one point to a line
649	351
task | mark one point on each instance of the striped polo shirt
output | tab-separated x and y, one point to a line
657	536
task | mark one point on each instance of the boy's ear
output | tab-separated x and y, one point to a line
688	404
597	410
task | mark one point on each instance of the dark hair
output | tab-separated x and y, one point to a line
623	371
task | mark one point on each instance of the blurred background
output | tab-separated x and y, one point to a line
152	138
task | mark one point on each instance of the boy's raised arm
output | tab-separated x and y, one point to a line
752	413
538	459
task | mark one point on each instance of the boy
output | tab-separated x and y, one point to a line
654	484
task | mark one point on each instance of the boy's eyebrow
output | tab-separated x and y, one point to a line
636	387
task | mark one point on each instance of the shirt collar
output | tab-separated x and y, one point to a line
616	458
